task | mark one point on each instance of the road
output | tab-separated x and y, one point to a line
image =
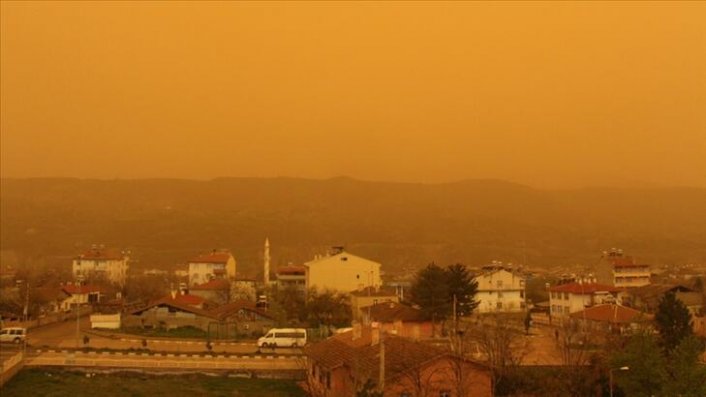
63	336
165	361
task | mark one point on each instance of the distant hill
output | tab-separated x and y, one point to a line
402	225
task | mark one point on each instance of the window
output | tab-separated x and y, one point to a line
522	294
566	296
328	380
405	394
499	283
499	305
445	393
500	294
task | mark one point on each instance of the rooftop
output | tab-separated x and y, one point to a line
212	257
611	313
390	312
213	285
584	288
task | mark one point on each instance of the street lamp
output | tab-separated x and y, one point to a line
610	377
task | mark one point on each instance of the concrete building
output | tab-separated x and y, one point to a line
218	264
292	277
573	297
80	295
99	262
627	273
500	289
368	297
342	271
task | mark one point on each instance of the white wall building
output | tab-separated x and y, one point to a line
627	273
218	264
99	262
577	296
342	271
500	290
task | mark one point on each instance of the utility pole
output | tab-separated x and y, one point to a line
382	361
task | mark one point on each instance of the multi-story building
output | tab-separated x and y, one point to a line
292	277
627	273
99	262
573	297
218	264
342	271
500	289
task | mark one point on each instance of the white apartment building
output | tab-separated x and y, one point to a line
217	264
626	273
500	290
99	262
573	297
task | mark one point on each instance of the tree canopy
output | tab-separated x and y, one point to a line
673	321
434	289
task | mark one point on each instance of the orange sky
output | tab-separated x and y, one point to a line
553	95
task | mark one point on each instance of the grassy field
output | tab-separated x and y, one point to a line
42	382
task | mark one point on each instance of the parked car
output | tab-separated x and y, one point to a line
13	335
283	337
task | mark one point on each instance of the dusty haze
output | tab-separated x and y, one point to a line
554	95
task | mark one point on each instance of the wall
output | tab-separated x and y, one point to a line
343	272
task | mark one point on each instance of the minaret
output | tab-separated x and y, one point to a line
266	275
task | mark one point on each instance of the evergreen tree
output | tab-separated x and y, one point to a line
431	292
646	374
462	285
673	321
687	377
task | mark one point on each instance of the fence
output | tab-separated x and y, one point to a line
10	367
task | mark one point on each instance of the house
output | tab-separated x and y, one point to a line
341	364
80	295
247	320
216	264
576	296
216	290
99	262
500	289
292	277
342	271
647	297
399	319
612	317
169	314
627	273
52	299
369	296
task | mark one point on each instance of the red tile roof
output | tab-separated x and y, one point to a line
291	270
212	257
229	309
584	288
389	312
213	285
401	354
82	289
167	301
611	313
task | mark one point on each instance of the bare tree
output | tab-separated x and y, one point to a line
499	340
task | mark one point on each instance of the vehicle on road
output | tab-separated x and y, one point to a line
283	337
13	335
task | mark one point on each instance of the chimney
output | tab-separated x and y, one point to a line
356	330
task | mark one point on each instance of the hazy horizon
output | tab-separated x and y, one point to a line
559	95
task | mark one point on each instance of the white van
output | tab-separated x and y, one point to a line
13	334
283	337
